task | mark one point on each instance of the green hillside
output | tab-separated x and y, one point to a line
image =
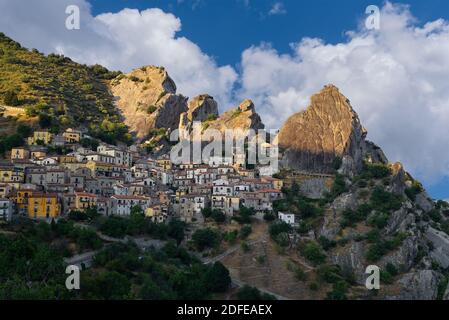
58	93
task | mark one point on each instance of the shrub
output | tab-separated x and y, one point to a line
218	216
300	275
314	286
336	163
245	231
10	98
329	274
251	293
217	278
391	269
379	220
268	217
351	217
383	200
279	227
339	186
376	170
314	253
205	238
231	236
151	109
414	190
326	243
338	292
244	216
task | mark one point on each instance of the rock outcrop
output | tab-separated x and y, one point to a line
147	100
440	244
419	285
243	117
328	128
201	108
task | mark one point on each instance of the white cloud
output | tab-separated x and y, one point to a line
277	9
396	79
124	40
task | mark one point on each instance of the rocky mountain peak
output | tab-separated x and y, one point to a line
328	128
242	117
246	105
147	100
202	107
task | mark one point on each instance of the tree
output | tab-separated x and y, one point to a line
268	217
23	130
176	230
114	227
10	98
206	238
279	227
44	120
245	215
251	293
206	212
245	231
218	216
313	252
136	223
217	278
107	285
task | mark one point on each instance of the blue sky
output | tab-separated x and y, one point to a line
224	29
277	53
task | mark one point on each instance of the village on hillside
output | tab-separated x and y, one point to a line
39	184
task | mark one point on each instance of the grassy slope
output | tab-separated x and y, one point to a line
70	93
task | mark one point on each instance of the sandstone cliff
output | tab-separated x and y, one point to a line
147	100
242	117
201	108
328	128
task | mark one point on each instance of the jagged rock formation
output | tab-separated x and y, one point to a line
201	108
243	117
327	129
147	100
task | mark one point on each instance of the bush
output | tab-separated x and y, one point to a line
379	220
268	217
376	170
279	227
218	216
231	236
300	275
338	292
329	274
151	109
244	216
218	278
251	293
338	187
314	253
336	163
391	269
114	227
10	98
383	200
24	131
245	231
386	277
206	212
351	217
45	121
326	243
205	238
